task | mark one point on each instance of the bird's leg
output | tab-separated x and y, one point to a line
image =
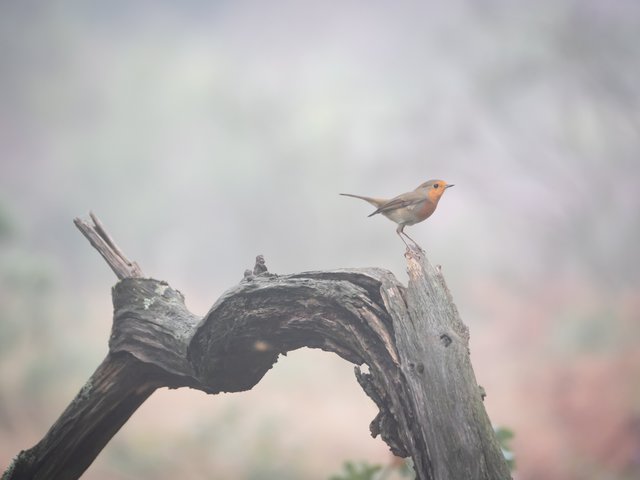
412	240
403	240
400	232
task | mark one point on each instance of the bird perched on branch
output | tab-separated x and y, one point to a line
408	208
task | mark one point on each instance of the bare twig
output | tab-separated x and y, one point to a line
104	244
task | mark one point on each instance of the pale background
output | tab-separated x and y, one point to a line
205	133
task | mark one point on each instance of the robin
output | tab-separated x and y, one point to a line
408	208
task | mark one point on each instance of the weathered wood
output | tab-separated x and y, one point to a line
451	430
116	389
104	244
411	339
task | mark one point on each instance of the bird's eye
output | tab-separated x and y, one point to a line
436	185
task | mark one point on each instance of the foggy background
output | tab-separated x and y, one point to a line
205	133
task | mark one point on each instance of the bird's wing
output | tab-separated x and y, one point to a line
401	201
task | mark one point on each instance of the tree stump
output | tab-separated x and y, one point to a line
412	341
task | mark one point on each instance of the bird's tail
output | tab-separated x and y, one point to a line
376	202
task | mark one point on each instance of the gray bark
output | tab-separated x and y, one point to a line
411	339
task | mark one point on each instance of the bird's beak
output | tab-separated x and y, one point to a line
447	186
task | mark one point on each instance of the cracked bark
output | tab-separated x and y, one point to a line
411	339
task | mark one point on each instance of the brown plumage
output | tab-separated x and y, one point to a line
408	208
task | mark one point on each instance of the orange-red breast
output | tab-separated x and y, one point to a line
409	208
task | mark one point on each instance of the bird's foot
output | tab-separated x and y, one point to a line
415	248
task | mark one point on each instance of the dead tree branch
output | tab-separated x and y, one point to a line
412	340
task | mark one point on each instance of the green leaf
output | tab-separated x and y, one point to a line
359	471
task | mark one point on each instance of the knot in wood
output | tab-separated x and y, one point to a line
152	323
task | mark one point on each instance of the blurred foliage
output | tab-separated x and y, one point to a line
6	223
398	468
404	468
39	364
26	291
588	332
505	436
357	471
206	132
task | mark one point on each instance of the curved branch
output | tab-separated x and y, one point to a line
412	340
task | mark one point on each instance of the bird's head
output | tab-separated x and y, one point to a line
434	188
